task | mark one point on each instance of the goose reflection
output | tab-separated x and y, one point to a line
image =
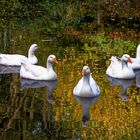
86	104
124	83
9	69
50	85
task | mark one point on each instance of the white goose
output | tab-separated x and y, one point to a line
135	62
119	68
86	86
15	59
35	72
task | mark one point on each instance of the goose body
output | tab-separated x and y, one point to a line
36	72
15	59
135	62
137	73
119	68
86	86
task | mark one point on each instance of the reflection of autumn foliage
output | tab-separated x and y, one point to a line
110	116
29	114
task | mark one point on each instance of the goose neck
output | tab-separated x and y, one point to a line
124	64
86	79
30	54
138	52
49	66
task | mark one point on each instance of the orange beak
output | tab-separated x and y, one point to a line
129	60
83	72
55	61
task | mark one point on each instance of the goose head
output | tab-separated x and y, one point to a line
52	59
31	56
85	70
33	48
126	58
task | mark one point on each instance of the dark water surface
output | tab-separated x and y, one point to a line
49	111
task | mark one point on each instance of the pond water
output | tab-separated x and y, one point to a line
49	110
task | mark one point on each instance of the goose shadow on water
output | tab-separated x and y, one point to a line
124	84
50	85
137	73
86	104
9	69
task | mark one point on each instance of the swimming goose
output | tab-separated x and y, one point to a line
86	86
15	59
36	72
119	68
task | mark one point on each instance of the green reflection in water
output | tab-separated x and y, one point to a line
29	114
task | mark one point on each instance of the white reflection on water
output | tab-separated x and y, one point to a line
124	83
9	69
50	85
86	104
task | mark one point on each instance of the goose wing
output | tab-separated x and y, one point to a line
95	88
